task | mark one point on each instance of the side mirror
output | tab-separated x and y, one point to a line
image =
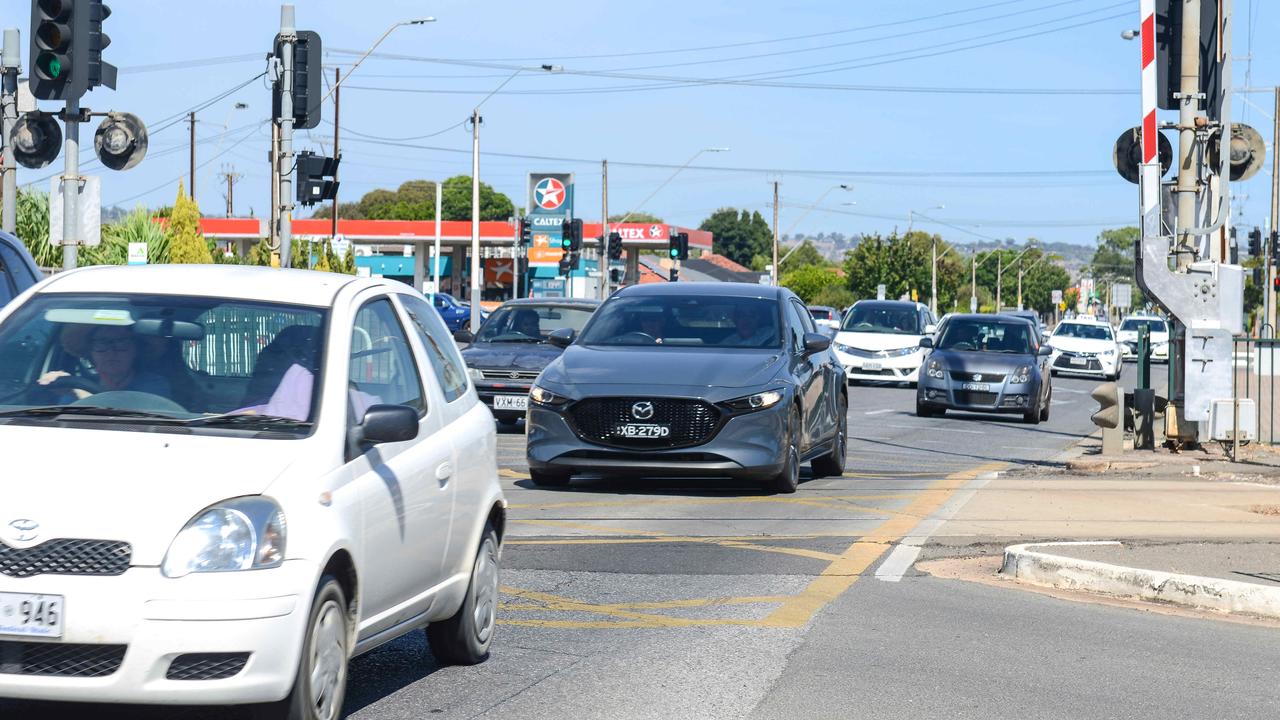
1045	351
926	342
562	337
465	337
930	329
388	424
815	343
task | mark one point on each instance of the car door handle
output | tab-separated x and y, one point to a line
444	472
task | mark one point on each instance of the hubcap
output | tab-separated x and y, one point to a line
328	661
484	590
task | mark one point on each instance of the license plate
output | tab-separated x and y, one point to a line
31	615
634	430
510	402
1079	361
872	366
981	387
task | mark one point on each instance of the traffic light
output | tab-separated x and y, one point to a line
66	48
1255	242
37	140
1275	246
1275	284
569	262
315	175
615	246
571	235
678	246
526	232
121	141
1258	277
308	85
616	276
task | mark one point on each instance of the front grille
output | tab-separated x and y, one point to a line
883	372
511	374
60	660
859	352
66	557
968	397
598	420
1064	362
207	666
973	377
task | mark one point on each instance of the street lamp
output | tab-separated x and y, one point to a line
933	266
1000	267
843	186
1131	34
911	215
1023	271
973	281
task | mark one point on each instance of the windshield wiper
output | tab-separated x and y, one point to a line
85	410
247	419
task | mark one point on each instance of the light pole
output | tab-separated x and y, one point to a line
1000	267
933	265
973	281
911	215
843	186
1024	270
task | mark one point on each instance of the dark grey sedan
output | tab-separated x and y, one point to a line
691	380
986	363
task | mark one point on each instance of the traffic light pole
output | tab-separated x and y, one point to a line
12	60
476	270
1269	292
284	160
71	186
604	230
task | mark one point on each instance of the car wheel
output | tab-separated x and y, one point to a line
832	464
923	410
1032	416
320	687
548	479
1044	410
789	479
464	639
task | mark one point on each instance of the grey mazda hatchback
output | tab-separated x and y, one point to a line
691	380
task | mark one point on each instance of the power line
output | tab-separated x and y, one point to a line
198	167
183	64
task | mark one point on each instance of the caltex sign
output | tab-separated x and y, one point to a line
550	203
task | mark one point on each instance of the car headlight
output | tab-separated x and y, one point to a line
242	534
1021	375
934	370
843	348
1108	353
758	401
901	352
543	396
474	374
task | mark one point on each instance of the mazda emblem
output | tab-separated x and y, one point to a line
23	530
642	410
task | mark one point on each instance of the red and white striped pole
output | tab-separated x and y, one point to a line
1150	145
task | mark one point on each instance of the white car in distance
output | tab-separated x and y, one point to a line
231	481
1158	330
1085	347
880	340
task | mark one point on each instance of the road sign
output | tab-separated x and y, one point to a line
340	245
973	304
137	253
880	291
1057	297
551	194
89	206
1121	295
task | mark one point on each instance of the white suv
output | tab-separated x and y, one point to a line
1085	347
880	340
224	482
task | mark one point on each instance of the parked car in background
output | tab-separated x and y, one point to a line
1158	330
827	318
880	340
260	473
456	315
989	364
1030	316
512	348
691	380
18	270
1084	346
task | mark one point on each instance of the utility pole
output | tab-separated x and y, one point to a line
604	229
284	159
231	177
476	279
273	224
1269	290
71	186
337	106
933	276
776	274
12	61
1189	103
191	181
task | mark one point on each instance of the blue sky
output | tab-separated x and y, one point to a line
1003	164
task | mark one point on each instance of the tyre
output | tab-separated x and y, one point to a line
788	479
464	639
832	464
320	687
924	411
1032	416
547	479
1044	409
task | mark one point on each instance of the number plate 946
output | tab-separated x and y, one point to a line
31	615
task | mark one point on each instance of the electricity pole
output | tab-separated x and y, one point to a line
12	61
273	226
604	229
476	270
776	274
1189	103
1275	217
284	157
231	177
337	106
933	276
191	182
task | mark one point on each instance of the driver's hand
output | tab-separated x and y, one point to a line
49	377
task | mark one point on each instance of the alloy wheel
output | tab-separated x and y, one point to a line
328	661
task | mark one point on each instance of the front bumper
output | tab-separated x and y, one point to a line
1094	366
1159	352
1003	397
748	446
262	613
904	368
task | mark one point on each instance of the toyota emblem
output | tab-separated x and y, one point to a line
23	530
642	410
514	375
977	378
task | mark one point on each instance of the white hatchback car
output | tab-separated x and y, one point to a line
880	340
224	482
1085	347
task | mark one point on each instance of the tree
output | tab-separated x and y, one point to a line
1114	262
416	200
138	226
901	264
739	235
33	228
639	217
836	296
186	243
1071	298
804	255
457	201
809	281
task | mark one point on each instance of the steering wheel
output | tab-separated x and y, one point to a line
639	335
72	382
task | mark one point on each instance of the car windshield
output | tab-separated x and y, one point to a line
1083	331
1135	324
892	319
531	323
980	335
686	320
199	361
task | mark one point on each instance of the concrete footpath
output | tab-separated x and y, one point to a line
1188	529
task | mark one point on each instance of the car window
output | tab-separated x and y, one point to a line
807	325
1134	324
7	289
687	321
442	352
531	323
12	264
795	326
887	318
982	335
1083	331
382	368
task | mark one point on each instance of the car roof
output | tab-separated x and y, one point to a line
242	282
584	303
890	303
1142	317
1084	321
707	289
986	317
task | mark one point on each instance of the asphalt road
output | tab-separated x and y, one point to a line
644	599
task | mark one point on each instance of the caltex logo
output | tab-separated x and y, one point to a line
549	193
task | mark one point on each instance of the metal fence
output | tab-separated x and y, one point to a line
1256	364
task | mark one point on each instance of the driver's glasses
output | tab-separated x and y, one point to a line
120	345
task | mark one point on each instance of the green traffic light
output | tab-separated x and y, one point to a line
51	65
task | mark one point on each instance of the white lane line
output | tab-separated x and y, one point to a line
937	429
880	412
908	549
1070	391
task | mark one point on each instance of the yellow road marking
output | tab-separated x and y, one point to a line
639	500
515	474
